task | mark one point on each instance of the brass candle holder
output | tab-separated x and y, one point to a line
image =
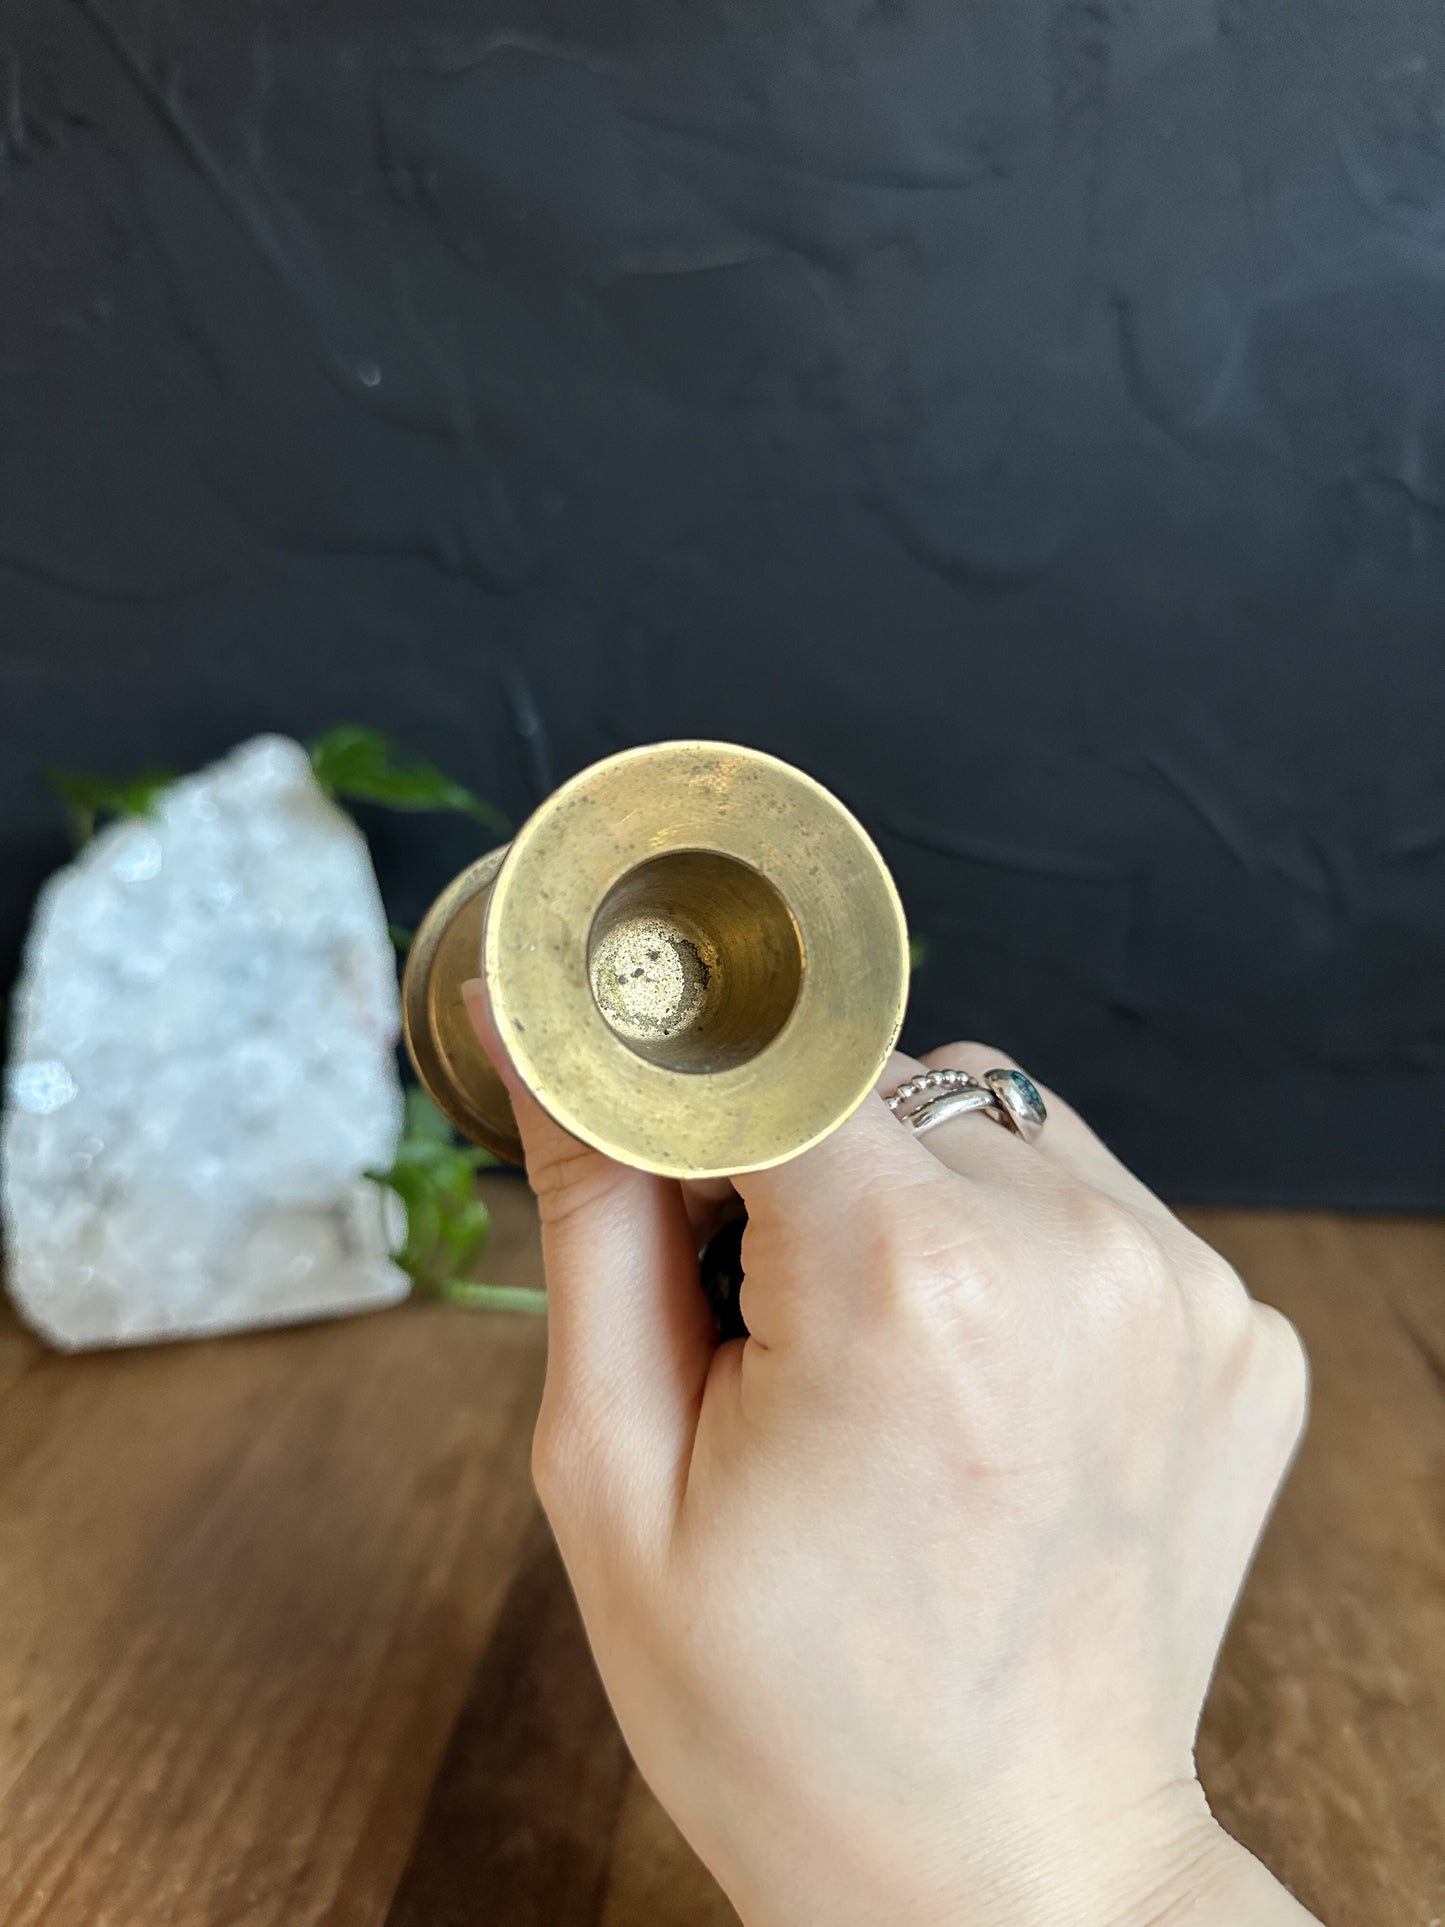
696	961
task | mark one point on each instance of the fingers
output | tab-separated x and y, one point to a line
973	1145
630	1336
833	1183
812	1220
977	1147
710	1203
1052	1187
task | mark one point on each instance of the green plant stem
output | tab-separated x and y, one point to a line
461	1291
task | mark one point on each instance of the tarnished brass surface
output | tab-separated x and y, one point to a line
696	961
445	952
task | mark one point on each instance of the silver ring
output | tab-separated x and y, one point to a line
928	1084
1007	1096
954	1103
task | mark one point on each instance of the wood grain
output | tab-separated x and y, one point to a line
284	1642
1323	1746
284	1556
526	1804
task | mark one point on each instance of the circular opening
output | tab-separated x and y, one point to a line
695	961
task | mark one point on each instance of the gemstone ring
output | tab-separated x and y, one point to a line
1007	1096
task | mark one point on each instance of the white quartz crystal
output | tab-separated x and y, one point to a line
202	1068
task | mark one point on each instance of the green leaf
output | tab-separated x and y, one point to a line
402	938
423	1216
918	952
453	1260
434	1175
455	1184
88	798
363	764
465	1219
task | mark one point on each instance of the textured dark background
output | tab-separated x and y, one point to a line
1030	417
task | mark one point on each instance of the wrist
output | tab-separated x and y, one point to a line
1081	1862
1170	1864
1220	1885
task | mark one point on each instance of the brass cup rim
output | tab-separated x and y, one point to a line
823	1025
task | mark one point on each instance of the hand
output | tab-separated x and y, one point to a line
907	1603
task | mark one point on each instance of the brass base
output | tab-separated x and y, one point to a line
695	958
445	953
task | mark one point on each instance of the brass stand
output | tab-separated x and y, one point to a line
695	959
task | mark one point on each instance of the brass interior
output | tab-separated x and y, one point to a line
695	961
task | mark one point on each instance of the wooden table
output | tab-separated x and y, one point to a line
284	1643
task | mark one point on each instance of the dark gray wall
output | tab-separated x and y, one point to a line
1028	417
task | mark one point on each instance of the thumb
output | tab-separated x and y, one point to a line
630	1336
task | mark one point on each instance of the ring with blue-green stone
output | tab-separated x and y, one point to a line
1019	1097
1005	1095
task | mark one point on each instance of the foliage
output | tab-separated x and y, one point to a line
88	798
362	765
434	1175
918	952
350	762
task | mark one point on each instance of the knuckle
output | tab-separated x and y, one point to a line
1262	1377
1285	1364
960	1291
564	1462
892	1265
551	1467
900	1255
570	1178
1126	1262
938	1268
1220	1296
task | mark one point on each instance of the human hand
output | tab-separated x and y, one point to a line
907	1603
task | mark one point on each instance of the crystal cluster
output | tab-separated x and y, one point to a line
203	1068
